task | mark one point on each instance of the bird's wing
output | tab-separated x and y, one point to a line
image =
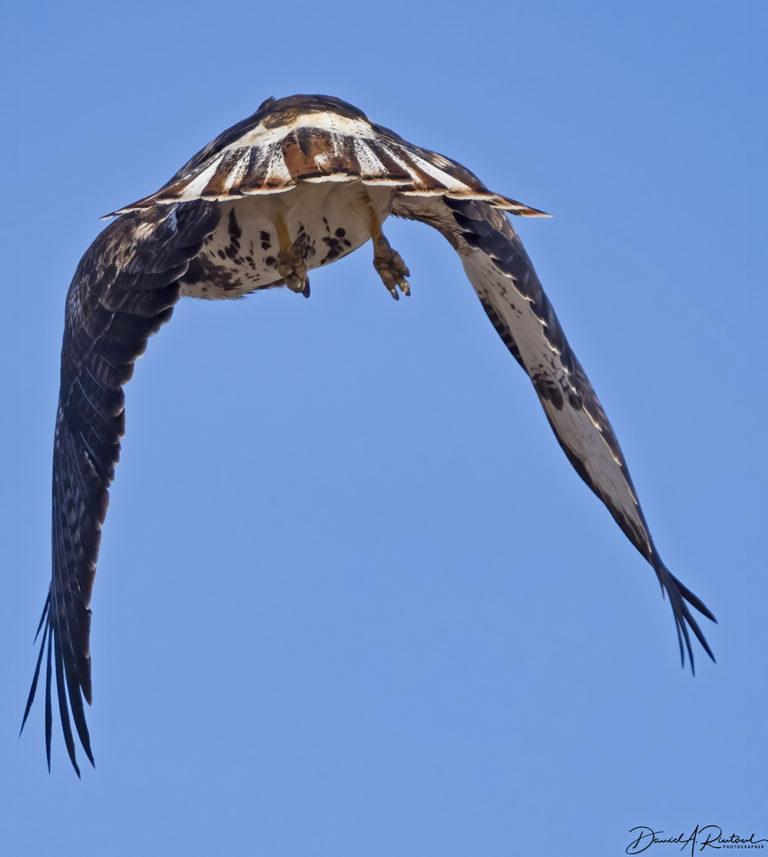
506	283
124	289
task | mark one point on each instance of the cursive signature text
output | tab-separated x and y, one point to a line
709	836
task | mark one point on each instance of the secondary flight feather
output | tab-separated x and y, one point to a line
302	182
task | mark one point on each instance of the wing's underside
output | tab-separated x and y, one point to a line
506	283
124	289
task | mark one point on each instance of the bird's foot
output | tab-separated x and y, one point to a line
390	266
292	268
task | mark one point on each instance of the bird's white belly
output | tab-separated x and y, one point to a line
328	220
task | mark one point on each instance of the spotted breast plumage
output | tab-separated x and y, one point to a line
300	183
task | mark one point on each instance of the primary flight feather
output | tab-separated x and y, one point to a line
304	181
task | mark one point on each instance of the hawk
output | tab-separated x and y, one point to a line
302	182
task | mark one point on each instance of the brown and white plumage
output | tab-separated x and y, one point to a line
302	182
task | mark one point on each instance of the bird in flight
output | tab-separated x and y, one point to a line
302	182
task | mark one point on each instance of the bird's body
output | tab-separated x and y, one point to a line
312	171
301	183
241	254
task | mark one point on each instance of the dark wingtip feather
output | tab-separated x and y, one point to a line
694	600
66	726
35	677
46	608
684	619
48	714
76	704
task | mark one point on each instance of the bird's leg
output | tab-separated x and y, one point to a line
290	260
388	262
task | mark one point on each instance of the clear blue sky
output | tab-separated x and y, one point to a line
352	599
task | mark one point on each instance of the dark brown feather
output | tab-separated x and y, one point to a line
124	289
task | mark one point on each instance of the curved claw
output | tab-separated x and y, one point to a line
390	267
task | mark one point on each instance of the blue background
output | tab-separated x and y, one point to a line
352	599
